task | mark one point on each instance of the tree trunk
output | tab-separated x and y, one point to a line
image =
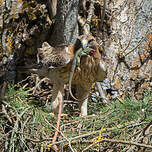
52	4
65	30
129	61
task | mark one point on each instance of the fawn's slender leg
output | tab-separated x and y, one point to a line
83	107
57	97
82	93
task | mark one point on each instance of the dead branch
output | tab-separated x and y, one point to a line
58	125
119	142
85	23
126	142
139	43
6	114
57	129
88	134
148	125
4	86
103	13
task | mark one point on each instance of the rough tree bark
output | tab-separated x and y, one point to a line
65	30
129	60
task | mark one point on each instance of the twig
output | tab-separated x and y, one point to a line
144	130
84	135
38	141
58	124
138	138
140	42
126	142
129	40
8	105
115	70
98	131
16	125
37	85
121	142
90	12
5	112
65	138
2	93
88	147
123	49
23	80
85	22
103	13
22	129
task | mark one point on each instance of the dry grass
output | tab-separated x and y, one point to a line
26	124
